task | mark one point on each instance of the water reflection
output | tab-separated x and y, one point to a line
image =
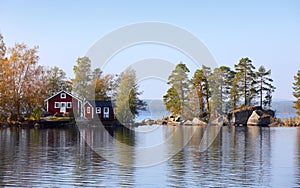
137	148
238	157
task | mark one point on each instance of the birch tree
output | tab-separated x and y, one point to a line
22	81
127	102
103	85
2	47
83	77
57	81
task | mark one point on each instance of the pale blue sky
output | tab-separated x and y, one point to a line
268	32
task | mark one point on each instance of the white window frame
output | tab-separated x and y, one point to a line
69	104
63	95
98	110
88	110
56	104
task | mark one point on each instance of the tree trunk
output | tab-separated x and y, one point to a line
261	91
200	98
207	100
182	105
245	87
221	96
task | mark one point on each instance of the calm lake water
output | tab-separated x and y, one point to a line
236	157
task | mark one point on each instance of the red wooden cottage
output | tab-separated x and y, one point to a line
98	108
63	102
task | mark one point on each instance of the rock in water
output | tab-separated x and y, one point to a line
242	116
188	122
259	118
148	121
254	118
221	120
197	121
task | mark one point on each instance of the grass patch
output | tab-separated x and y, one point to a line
55	118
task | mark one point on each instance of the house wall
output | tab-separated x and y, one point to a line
57	98
101	115
88	115
94	115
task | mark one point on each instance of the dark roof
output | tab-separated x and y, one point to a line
100	103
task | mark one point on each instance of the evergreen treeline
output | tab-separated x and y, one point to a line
218	91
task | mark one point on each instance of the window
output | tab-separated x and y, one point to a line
56	105
63	95
69	104
88	110
106	112
98	110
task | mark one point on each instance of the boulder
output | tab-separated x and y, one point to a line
254	118
241	116
221	120
175	118
197	121
166	118
148	121
265	120
188	122
271	113
259	118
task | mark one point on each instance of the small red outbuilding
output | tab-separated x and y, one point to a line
99	109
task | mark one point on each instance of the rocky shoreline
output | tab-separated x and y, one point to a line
246	116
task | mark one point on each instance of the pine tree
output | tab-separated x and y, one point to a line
235	92
247	80
192	108
201	84
179	88
268	99
221	84
296	93
265	85
172	101
207	89
199	81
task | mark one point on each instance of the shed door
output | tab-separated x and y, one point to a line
63	107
